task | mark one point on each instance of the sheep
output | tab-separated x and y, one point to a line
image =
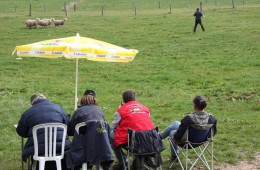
32	22
59	22
44	22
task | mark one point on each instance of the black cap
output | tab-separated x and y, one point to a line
90	92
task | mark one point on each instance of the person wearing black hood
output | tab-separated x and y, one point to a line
42	111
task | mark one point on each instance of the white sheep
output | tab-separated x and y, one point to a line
44	22
32	22
59	22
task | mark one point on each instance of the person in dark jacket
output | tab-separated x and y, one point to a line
88	110
198	15
199	118
41	111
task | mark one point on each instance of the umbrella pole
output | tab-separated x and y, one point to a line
76	85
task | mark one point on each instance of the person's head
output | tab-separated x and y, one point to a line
200	102
35	97
197	9
128	96
89	98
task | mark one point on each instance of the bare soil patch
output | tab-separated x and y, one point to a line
243	165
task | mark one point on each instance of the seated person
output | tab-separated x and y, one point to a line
89	111
130	114
199	118
41	111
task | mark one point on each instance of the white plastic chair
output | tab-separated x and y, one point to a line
50	132
78	126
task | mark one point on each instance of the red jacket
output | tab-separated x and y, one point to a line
134	116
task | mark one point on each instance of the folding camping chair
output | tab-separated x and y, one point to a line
145	148
199	142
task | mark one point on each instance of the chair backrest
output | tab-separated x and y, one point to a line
50	133
196	136
79	125
144	142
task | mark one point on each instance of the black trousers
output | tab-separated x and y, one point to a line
198	21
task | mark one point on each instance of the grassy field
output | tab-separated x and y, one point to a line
172	66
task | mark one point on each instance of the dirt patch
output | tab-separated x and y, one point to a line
243	165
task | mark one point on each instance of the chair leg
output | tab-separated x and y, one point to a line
99	167
58	164
34	165
41	165
84	166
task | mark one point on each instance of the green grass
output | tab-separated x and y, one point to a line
172	66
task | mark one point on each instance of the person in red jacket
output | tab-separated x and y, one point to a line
130	114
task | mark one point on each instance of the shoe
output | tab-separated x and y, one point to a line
173	158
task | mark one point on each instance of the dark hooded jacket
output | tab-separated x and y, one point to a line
43	111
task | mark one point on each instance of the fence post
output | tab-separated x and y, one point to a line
216	3
102	9
65	9
233	3
30	10
15	7
201	6
159	4
170	9
74	7
135	10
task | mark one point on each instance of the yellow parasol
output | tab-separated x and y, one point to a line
76	47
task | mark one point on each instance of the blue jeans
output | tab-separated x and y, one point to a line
169	131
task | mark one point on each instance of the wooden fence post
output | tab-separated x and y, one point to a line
170	9
159	4
201	6
74	7
233	3
102	9
44	7
135	10
30	10
65	9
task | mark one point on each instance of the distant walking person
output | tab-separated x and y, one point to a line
198	20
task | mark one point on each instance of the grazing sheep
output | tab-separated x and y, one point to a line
59	22
44	22
32	22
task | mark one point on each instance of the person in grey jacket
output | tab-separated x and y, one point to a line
41	111
199	119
